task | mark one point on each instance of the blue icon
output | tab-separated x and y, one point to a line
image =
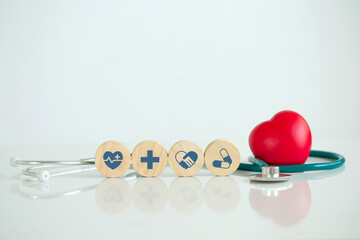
113	160
186	160
149	159
226	162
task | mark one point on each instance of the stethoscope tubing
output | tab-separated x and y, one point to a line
255	165
83	161
337	161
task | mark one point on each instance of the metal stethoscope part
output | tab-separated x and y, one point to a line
270	174
38	170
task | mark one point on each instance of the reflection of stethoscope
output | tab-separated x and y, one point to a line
44	188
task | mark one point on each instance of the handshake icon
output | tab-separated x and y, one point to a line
186	160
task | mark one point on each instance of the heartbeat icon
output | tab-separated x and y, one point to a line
117	158
113	160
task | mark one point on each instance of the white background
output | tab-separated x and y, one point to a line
89	71
74	74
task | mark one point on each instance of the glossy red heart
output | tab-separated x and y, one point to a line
283	140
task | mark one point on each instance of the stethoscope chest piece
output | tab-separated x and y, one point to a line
270	174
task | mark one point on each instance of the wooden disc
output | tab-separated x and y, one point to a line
222	157
112	159
186	158
149	158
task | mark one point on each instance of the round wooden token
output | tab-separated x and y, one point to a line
222	157
112	159
186	158
149	158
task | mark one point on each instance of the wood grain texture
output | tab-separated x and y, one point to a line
216	155
149	158
181	158
113	147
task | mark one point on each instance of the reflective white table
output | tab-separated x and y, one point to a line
315	205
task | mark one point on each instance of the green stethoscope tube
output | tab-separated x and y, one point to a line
337	161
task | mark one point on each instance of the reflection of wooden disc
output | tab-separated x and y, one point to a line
113	195
222	157
149	158
186	194
222	194
112	159
186	158
150	195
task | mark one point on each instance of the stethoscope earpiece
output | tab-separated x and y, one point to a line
13	160
43	175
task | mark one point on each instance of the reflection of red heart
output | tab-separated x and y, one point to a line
283	140
288	208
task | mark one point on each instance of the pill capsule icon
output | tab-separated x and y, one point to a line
226	162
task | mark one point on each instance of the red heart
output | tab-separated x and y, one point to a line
283	140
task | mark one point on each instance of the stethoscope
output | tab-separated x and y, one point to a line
270	173
40	168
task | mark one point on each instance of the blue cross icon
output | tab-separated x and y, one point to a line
149	159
